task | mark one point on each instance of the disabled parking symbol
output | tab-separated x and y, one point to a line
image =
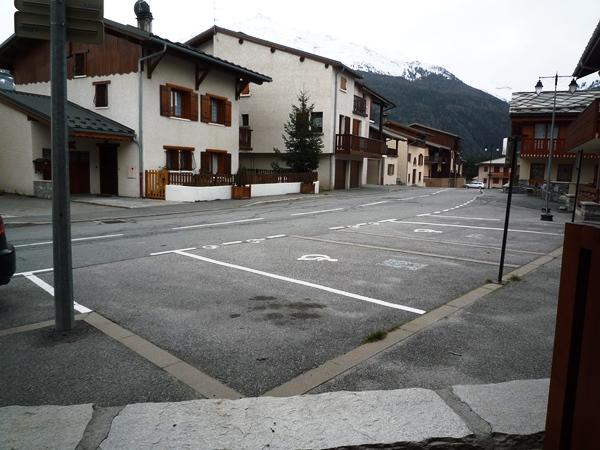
316	258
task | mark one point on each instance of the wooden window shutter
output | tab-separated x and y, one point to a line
227	170
165	101
205	108
227	121
204	162
346	125
194	107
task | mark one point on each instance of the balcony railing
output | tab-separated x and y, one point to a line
539	147
360	106
358	145
245	138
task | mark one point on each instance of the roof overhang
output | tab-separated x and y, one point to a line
590	59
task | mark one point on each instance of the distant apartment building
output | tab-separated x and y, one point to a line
344	108
531	117
494	173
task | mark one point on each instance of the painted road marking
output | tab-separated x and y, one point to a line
275	236
408	252
374	203
31	272
231	243
461	244
217	223
479	228
50	290
461	217
300	282
90	238
426	230
317	212
316	258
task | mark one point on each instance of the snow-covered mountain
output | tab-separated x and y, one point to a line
353	55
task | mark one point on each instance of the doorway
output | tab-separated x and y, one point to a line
79	172
354	174
340	174
109	167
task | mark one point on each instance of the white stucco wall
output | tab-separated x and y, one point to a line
413	164
16	167
197	194
390	179
157	130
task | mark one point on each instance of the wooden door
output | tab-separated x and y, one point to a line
356	127
354	174
109	180
79	172
340	174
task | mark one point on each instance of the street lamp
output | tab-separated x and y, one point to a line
538	90
490	165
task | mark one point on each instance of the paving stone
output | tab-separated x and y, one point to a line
313	421
515	407
43	427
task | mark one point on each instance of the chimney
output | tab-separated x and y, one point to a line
144	16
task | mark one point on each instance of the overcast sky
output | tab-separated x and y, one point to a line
486	43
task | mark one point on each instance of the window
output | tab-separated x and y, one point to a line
420	161
565	172
215	109
245	120
485	168
215	162
419	176
390	169
345	124
495	180
496	169
179	158
409	178
179	102
245	91
101	94
316	122
409	157
79	65
344	84
414	161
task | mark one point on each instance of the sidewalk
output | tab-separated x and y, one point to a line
506	415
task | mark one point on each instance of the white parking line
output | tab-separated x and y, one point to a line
231	243
302	283
50	290
217	223
317	212
374	203
275	236
478	228
460	217
90	238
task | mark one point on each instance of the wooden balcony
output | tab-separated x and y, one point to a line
360	106
245	138
533	148
584	131
349	144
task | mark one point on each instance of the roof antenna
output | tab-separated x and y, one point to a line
214	12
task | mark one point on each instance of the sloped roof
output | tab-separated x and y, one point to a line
566	103
437	130
590	58
79	119
494	161
9	50
207	35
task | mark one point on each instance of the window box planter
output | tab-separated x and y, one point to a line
241	192
307	188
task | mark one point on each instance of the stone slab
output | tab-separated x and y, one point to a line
312	421
43	427
515	407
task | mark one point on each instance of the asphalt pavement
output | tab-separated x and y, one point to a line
254	294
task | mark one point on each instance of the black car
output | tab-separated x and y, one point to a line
7	257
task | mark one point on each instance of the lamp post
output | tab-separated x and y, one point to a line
538	90
490	165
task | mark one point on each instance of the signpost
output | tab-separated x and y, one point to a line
57	20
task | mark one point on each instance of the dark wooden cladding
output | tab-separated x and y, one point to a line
116	55
585	127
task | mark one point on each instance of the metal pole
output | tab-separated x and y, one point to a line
513	150
546	215
61	207
579	163
490	170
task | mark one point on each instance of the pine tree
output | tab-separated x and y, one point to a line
304	146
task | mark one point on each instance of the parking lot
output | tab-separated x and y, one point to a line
255	297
